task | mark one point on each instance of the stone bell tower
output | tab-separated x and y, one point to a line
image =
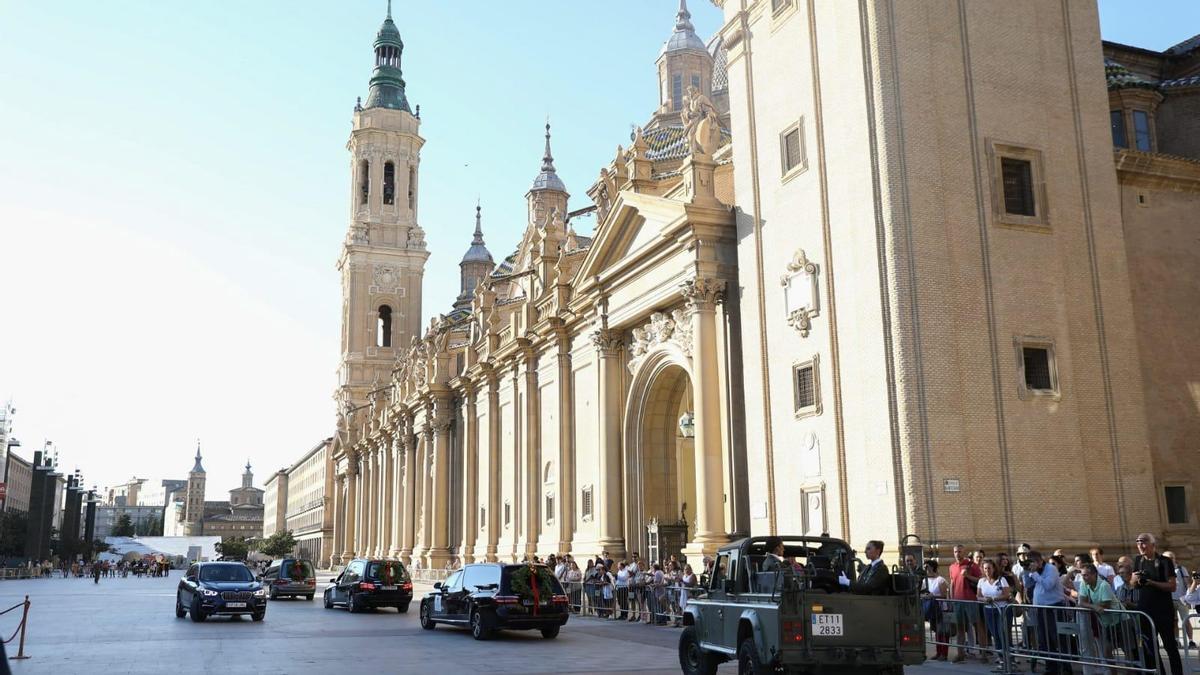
383	257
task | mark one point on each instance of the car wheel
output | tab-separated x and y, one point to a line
480	626
309	597
403	609
551	632
197	613
328	600
748	661
258	616
180	612
355	605
272	595
426	621
692	659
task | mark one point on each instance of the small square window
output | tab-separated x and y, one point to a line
1117	120
1176	498
791	149
778	6
1018	186
1037	368
585	502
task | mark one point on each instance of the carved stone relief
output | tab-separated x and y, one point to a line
661	329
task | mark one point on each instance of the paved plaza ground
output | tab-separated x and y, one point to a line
129	626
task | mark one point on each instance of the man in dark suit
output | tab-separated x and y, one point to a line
874	578
774	560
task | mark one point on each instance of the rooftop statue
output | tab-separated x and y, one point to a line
701	123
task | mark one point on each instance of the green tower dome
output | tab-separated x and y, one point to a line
387	82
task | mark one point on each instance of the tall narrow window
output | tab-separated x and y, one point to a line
1176	498
412	188
1037	369
383	337
1116	119
676	92
389	183
585	503
1018	186
696	82
792	147
1141	130
364	181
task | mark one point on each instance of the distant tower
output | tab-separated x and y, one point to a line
248	477
684	61
193	506
382	261
548	190
475	265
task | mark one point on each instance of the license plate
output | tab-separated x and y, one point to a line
829	625
235	605
389	588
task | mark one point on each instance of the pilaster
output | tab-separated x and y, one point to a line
608	344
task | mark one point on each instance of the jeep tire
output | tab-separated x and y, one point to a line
197	613
427	621
692	659
748	661
481	627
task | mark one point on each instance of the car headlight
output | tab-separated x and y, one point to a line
210	593
260	593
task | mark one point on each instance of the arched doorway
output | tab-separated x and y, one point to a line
660	456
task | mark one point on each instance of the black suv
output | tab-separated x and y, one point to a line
226	588
488	597
371	583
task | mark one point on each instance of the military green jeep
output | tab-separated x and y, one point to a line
800	616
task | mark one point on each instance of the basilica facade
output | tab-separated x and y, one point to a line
864	271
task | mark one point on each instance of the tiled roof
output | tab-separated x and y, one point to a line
1184	47
720	74
506	266
671	142
1120	77
1177	83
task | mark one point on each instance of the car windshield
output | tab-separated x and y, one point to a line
297	569
225	573
522	579
388	572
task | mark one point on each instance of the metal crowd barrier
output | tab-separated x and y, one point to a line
430	575
656	604
16	573
1110	640
1185	646
24	605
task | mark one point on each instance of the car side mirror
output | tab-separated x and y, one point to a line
727	585
437	586
333	581
258	578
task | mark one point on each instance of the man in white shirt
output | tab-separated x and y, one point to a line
1105	570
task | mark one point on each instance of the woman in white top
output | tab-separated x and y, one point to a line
934	589
994	590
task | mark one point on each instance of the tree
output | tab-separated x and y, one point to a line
124	527
279	544
231	548
149	527
14	527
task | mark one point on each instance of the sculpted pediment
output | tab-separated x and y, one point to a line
637	223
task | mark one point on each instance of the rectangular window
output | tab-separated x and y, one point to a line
507	514
696	82
1117	119
1176	497
779	5
1037	369
791	148
1018	186
549	508
585	502
1141	130
677	92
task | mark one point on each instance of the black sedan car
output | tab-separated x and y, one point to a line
366	583
490	597
220	588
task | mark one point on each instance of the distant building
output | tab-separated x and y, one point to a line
296	500
241	516
18	479
147	520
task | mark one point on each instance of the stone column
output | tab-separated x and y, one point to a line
439	500
495	503
386	542
470	442
351	506
702	297
409	527
421	480
608	507
566	445
396	499
371	508
380	547
532	456
339	527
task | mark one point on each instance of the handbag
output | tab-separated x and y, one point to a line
947	626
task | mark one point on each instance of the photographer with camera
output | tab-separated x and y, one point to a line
1154	583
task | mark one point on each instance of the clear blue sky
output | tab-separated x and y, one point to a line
174	185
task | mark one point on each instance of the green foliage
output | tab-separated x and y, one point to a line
100	546
124	527
278	545
233	548
150	527
14	527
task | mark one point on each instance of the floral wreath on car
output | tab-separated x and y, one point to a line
520	582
